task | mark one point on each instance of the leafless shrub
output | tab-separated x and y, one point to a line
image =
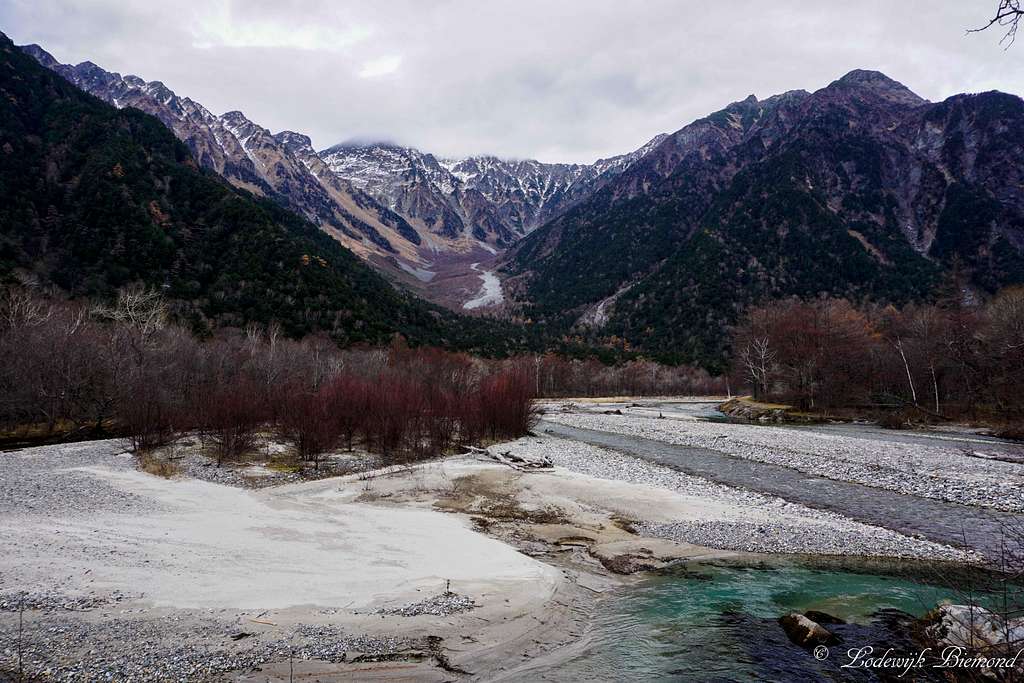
304	418
232	415
349	399
506	404
147	415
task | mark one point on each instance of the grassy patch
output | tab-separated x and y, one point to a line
286	466
40	433
509	510
749	400
160	467
491	503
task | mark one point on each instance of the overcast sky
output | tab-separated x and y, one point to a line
552	80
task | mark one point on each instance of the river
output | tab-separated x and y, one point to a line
933	519
718	621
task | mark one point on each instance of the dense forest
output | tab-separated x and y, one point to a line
89	370
922	362
142	293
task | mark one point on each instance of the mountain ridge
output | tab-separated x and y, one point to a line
859	189
402	210
94	199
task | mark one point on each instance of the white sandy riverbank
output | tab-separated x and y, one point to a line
130	574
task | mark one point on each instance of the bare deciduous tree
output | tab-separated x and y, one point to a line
757	358
137	307
23	308
1008	15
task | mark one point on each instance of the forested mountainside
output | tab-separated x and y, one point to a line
861	189
281	167
95	198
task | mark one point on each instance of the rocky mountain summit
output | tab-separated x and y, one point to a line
498	200
96	198
252	158
861	189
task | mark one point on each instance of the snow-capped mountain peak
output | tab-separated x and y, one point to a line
503	198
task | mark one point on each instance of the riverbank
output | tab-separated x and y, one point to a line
746	408
458	565
961	469
135	576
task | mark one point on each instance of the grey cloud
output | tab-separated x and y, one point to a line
565	81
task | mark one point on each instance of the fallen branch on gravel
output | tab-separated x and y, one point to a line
516	462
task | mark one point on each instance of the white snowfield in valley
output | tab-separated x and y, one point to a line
490	290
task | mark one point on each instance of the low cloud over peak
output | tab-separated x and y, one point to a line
570	81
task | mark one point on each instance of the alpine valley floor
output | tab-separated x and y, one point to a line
458	568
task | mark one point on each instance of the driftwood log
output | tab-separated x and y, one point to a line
514	461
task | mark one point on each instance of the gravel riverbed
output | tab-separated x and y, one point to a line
62	514
174	648
438	605
54	480
59	623
186	454
761	523
941	472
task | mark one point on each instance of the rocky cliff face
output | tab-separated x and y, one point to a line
496	200
94	198
528	193
861	189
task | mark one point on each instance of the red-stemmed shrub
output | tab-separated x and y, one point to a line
440	420
231	413
148	412
304	418
348	399
471	419
506	404
392	410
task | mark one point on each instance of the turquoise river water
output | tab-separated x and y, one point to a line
718	621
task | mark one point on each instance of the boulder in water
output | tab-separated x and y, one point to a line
805	632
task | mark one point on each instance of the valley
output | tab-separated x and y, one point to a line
406	212
325	390
872	196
